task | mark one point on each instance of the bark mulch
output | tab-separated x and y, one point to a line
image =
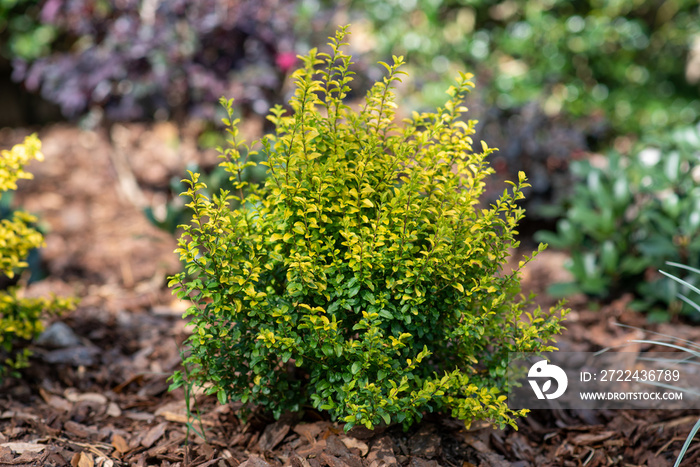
97	391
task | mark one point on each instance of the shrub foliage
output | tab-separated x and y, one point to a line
362	277
20	318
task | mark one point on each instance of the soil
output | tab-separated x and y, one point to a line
97	391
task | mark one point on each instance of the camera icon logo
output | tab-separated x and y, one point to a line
541	370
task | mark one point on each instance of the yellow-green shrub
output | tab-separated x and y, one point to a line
20	318
364	260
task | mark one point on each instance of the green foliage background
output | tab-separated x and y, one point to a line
628	216
625	59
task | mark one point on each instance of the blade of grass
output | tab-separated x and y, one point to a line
689	302
681	281
683	266
685	341
686	445
666	344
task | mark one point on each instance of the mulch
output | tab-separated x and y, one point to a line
97	391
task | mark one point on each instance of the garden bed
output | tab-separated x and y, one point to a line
103	399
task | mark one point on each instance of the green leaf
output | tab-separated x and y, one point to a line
353	291
385	314
387	418
221	396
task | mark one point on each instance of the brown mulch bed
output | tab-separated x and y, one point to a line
97	392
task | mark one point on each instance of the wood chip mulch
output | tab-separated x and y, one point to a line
97	391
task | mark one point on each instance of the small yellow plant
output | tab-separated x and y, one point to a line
20	318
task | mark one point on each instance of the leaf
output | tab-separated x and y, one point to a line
385	314
387	418
120	443
355	368
353	291
20	447
221	396
82	459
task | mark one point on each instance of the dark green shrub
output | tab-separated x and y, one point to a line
20	318
363	276
631	214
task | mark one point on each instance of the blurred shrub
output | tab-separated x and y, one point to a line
557	77
21	33
362	277
139	59
627	59
20	318
631	214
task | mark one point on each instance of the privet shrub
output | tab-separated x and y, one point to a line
362	277
20	318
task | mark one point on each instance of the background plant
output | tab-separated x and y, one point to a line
558	78
631	214
688	350
692	349
20	318
624	58
177	212
142	59
361	277
21	33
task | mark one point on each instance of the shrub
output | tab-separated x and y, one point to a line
21	34
559	77
627	59
140	60
20	318
631	214
362	276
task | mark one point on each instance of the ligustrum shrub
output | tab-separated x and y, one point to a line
362	276
20	318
